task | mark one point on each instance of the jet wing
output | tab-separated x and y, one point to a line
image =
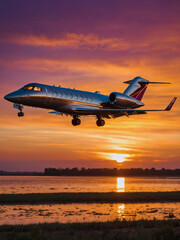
104	111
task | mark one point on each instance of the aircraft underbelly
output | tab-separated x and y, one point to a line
68	105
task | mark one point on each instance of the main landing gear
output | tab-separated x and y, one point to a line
76	121
100	122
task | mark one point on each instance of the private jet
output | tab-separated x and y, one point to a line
77	103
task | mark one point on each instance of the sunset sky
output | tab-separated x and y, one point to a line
90	45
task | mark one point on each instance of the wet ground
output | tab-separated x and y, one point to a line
67	213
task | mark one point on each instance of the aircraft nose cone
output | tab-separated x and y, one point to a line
12	97
7	97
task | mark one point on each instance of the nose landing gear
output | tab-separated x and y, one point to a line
20	114
20	108
76	121
100	122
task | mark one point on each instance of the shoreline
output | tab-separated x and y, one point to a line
89	197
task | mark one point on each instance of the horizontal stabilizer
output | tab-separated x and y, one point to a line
160	82
130	81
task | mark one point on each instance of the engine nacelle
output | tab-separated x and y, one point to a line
124	101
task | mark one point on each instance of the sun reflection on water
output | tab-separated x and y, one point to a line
120	210
120	184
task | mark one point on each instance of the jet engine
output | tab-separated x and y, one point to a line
124	101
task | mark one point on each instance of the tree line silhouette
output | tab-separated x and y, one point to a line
114	172
110	172
6	173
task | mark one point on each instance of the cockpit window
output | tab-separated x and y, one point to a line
32	88
37	89
28	88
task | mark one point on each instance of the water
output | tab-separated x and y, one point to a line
64	213
46	184
67	213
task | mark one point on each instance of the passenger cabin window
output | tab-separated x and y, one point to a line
32	88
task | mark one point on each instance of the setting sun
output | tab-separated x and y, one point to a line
119	157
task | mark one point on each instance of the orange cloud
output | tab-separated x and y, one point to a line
71	40
92	41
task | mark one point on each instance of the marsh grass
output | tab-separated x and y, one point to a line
110	197
125	230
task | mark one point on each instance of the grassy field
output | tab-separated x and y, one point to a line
112	197
122	230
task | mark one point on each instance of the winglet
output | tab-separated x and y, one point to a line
168	108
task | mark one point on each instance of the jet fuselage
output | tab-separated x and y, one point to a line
76	102
65	100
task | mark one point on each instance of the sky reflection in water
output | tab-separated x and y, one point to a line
43	184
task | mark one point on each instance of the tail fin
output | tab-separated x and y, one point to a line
137	87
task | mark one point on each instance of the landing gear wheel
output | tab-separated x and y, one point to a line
76	121
20	114
100	122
